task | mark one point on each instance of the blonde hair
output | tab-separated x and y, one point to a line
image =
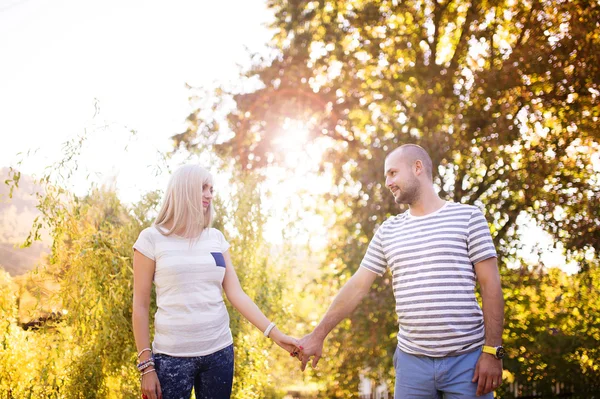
182	205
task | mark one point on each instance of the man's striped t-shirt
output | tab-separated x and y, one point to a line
432	261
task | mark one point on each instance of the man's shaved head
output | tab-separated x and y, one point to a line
410	153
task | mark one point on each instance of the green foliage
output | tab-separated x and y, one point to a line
503	94
8	301
493	89
553	329
263	280
89	352
93	253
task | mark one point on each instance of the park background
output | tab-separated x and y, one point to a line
293	105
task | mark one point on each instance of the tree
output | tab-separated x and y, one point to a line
89	350
504	95
552	330
265	281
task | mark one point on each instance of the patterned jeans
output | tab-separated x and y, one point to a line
211	376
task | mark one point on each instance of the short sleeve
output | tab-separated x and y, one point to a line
374	259
145	244
222	242
479	242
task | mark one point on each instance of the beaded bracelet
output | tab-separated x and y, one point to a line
145	366
145	361
144	350
146	372
142	365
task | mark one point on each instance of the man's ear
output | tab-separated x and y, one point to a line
418	168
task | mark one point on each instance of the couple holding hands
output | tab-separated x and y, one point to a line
448	346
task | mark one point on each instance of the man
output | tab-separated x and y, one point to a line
436	251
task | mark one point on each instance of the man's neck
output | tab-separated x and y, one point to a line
428	203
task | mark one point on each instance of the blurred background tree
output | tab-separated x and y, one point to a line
80	342
503	94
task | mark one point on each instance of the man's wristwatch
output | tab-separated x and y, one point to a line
497	351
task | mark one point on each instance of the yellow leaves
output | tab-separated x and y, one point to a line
32	364
507	376
584	358
588	363
572	97
362	56
350	42
317	50
457	157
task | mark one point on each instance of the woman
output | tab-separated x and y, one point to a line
190	265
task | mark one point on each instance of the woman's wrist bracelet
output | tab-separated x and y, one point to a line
143	366
144	350
146	372
269	328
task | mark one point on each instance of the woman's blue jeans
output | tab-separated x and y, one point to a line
211	376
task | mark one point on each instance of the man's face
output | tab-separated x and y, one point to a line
401	180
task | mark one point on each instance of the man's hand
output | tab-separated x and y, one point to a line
488	374
311	346
344	303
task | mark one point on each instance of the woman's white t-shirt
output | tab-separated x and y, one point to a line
191	319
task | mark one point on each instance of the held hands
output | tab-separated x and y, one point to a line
488	374
311	345
286	342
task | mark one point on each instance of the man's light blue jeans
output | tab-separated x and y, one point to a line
429	377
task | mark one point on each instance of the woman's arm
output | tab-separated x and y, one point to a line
244	304
143	275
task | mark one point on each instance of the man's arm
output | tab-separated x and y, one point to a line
488	372
344	303
493	300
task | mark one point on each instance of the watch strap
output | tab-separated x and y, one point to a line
489	349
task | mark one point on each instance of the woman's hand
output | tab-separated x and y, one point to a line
151	386
289	344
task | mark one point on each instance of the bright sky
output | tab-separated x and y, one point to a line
133	56
57	57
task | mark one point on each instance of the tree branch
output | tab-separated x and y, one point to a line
458	190
438	11
512	217
462	41
481	187
521	39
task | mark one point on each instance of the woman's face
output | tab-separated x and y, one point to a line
207	195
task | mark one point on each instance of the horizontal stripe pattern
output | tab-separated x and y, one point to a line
432	261
191	317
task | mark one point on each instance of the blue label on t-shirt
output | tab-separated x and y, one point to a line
219	259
